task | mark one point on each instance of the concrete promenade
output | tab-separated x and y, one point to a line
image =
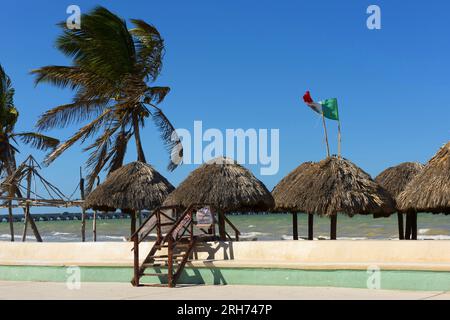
389	265
124	291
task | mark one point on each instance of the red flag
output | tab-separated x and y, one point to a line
307	97
317	107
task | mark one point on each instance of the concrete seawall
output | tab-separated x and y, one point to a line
416	265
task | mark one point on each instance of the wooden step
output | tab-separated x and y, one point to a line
177	246
158	265
154	275
165	256
161	246
154	285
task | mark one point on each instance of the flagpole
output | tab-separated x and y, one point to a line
339	138
326	135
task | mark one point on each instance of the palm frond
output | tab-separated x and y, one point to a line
103	46
60	76
118	151
72	113
169	136
150	48
100	154
37	140
8	112
82	134
96	162
75	78
156	95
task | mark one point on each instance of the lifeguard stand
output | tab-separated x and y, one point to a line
177	233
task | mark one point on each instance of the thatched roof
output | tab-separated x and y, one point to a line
224	184
429	191
395	179
136	186
329	187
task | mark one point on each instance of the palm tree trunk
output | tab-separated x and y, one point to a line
137	137
10	215
10	168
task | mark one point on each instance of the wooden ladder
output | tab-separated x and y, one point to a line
170	252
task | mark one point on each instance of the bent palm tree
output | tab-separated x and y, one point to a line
8	137
110	70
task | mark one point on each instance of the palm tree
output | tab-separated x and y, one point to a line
109	74
9	137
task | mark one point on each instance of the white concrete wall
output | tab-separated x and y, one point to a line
403	255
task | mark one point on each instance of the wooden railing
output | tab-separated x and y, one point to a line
236	231
181	234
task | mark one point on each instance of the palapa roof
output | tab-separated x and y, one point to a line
429	191
395	179
331	186
224	184
136	186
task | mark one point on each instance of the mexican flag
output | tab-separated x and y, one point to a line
328	107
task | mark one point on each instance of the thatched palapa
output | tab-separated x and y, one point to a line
134	187
329	187
394	180
429	191
224	184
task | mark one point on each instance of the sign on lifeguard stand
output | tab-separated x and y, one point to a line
205	218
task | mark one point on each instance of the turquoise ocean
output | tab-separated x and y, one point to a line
261	227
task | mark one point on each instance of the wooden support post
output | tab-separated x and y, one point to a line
310	226
170	263
133	222
83	211
11	220
401	232
408	226
94	227
295	226
191	231
222	232
34	227
27	208
28	218
158	225
414	226
333	229
136	261
140	217
25	227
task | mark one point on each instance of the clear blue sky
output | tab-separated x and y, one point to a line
245	64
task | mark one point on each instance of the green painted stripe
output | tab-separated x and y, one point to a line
389	279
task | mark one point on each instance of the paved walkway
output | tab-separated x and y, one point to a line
123	291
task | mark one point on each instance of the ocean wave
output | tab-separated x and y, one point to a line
290	237
423	231
17	236
122	238
62	234
434	237
253	236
